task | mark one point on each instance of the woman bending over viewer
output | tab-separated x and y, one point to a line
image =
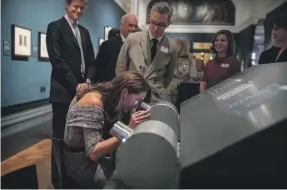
86	152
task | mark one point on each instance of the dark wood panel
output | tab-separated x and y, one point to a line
244	44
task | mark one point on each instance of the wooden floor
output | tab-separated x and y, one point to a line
39	154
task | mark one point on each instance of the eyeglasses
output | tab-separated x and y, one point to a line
138	103
160	24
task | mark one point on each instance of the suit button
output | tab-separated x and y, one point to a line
140	67
154	81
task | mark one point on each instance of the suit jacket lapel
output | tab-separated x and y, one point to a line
162	51
69	31
148	48
118	41
144	43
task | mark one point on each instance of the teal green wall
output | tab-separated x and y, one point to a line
21	80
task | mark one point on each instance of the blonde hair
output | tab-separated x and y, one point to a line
184	43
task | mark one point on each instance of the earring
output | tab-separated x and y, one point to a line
121	101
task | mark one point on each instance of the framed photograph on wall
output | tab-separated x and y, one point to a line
21	42
202	45
42	47
106	32
100	41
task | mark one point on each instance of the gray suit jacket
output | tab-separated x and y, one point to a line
135	55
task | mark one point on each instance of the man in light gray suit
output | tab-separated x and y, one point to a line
151	53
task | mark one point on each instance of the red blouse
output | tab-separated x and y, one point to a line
219	69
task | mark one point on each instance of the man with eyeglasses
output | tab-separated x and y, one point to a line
151	53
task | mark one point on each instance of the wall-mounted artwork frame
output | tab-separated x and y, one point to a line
42	47
21	42
100	41
106	32
202	45
209	12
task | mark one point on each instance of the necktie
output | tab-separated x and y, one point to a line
153	48
79	40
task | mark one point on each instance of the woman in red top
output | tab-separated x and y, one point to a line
224	65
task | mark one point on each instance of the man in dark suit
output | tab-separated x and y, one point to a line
72	57
108	52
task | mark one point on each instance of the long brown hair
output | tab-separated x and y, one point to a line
280	21
111	91
230	40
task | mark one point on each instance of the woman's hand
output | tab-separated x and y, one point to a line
139	117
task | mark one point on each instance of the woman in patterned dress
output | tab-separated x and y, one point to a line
86	152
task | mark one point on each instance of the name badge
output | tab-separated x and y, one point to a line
163	49
224	65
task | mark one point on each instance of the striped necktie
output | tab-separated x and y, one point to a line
79	40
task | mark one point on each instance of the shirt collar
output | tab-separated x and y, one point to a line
220	59
70	21
123	38
151	37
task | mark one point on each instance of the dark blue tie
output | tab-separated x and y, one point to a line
153	48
